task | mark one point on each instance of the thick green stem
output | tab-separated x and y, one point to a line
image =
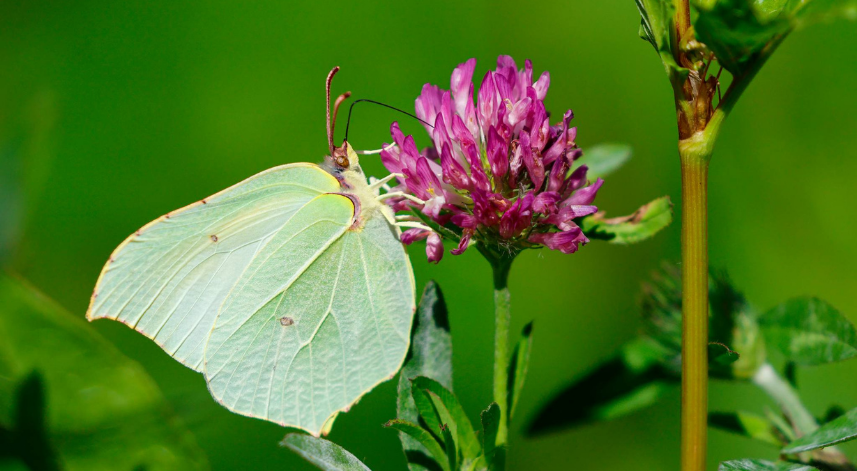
502	319
694	347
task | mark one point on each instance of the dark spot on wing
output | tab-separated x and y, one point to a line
286	321
213	238
204	201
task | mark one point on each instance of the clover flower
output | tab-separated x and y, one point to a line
498	173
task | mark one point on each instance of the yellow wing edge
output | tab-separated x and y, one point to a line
203	201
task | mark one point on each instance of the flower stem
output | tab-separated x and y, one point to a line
502	318
694	347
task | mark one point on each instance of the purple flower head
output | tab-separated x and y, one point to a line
499	173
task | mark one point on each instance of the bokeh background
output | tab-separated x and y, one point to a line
127	110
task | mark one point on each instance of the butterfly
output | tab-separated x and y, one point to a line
290	291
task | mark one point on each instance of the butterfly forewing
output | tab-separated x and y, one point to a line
169	279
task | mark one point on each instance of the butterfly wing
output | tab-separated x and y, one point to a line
295	346
169	279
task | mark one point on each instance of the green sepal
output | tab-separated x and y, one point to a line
518	367
324	454
424	438
841	429
642	224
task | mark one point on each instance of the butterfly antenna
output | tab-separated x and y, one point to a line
351	108
339	100
327	94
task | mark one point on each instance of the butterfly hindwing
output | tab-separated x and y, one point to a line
323	338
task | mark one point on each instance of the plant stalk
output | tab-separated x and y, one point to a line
502	318
784	395
694	345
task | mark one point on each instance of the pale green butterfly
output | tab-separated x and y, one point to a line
289	291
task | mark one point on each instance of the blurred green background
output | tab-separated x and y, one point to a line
126	110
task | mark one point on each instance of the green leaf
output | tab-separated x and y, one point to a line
743	33
431	417
720	355
518	367
656	27
424	438
762	465
451	447
748	424
490	424
445	401
809	331
604	159
324	454
836	431
630	381
105	413
430	355
641	225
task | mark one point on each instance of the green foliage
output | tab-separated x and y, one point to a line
603	159
430	355
838	430
808	331
424	438
494	456
642	224
324	454
751	425
78	396
518	367
632	380
743	33
657	27
761	465
452	415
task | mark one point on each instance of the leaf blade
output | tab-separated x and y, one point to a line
464	433
841	429
518	367
423	437
324	454
809	332
642	224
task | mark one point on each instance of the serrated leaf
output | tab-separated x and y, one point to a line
742	33
603	159
751	425
104	411
656	27
324	454
836	431
762	465
641	225
424	438
430	415
809	331
630	381
430	355
446	401
518	367
490	425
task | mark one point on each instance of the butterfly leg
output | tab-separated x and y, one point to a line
382	183
400	194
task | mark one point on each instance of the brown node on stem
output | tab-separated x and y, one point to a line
338	154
